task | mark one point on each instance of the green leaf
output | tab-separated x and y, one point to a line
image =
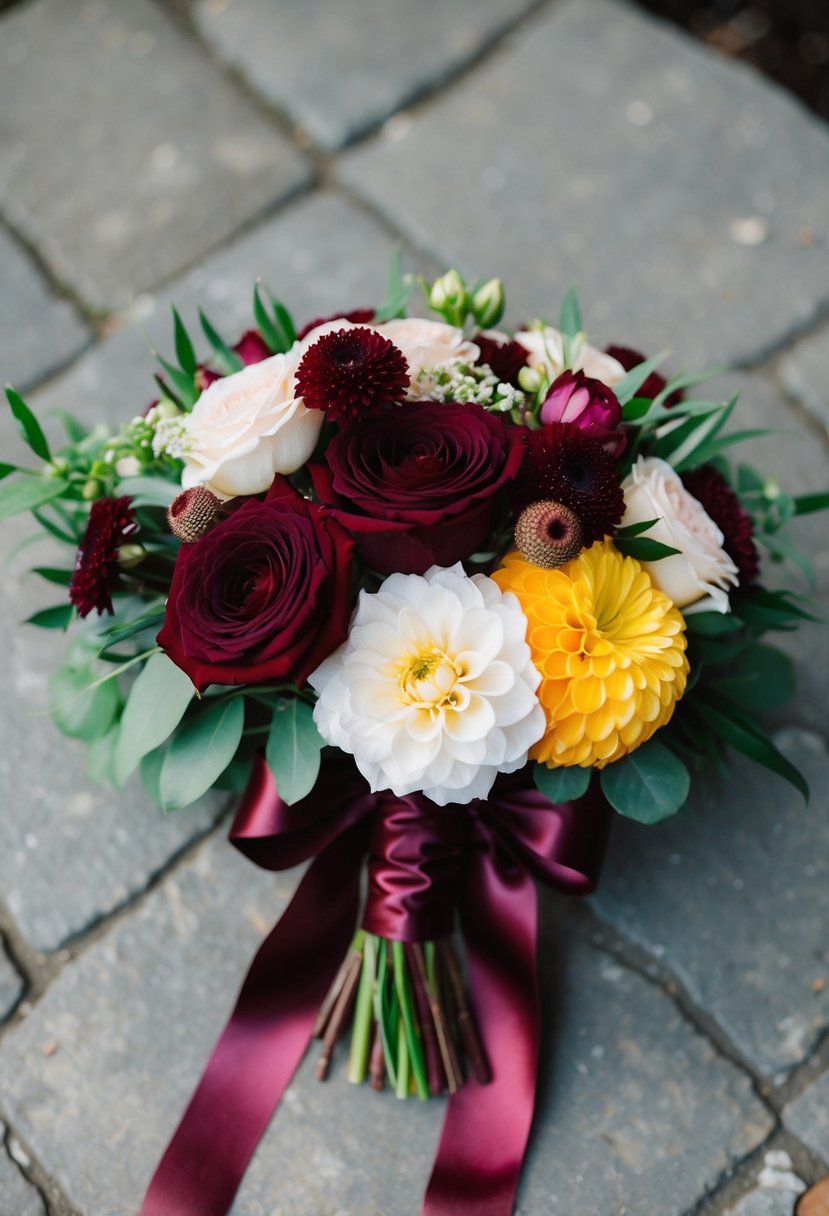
806	504
99	757
149	491
688	380
570	316
562	784
53	529
284	322
631	530
264	323
59	617
761	679
399	290
150	620
7	469
200	752
28	425
78	710
76	432
150	772
712	447
741	732
711	624
293	749
52	575
643	548
27	495
154	708
648	785
227	359
182	381
633	380
184	347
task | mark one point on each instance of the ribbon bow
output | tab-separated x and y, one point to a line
422	860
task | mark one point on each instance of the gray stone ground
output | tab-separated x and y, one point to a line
159	153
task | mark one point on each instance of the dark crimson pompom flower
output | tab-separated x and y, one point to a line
719	501
264	595
352	374
418	484
654	384
505	358
565	465
358	316
97	573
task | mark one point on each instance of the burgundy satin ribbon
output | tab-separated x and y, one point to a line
422	860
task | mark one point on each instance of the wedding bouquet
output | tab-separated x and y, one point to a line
433	597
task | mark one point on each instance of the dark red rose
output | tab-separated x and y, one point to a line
417	485
97	572
719	501
265	595
505	358
654	384
359	316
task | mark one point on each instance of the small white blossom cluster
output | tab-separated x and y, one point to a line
171	438
467	385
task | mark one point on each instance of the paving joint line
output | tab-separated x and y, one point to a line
94	318
51	1193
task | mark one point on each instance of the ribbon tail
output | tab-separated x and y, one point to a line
487	1127
264	1041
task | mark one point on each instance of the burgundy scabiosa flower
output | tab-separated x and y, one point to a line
352	374
719	501
97	573
505	358
588	404
565	465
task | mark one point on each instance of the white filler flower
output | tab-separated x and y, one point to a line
434	690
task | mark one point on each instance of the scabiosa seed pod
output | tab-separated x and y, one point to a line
549	534
192	513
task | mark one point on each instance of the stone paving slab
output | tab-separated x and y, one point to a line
763	1202
603	149
637	1109
17	1196
804	372
732	897
807	1117
38	333
351	65
124	153
319	254
11	986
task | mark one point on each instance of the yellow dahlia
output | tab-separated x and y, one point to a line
610	648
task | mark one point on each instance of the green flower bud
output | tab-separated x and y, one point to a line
163	409
488	304
530	379
130	556
449	297
92	489
59	467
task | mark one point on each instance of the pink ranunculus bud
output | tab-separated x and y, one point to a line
589	405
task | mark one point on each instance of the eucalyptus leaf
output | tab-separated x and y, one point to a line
293	749
200	752
648	785
78	710
762	678
562	784
29	494
155	706
28	425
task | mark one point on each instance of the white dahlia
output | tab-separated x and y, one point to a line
434	690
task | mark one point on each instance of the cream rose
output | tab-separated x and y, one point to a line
428	344
698	577
247	427
546	350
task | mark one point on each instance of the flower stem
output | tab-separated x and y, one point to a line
412	1031
402	1087
327	1006
425	1013
361	1033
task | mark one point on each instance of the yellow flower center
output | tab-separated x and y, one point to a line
429	679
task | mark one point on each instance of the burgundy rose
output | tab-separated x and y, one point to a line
654	384
264	595
505	358
417	485
589	405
